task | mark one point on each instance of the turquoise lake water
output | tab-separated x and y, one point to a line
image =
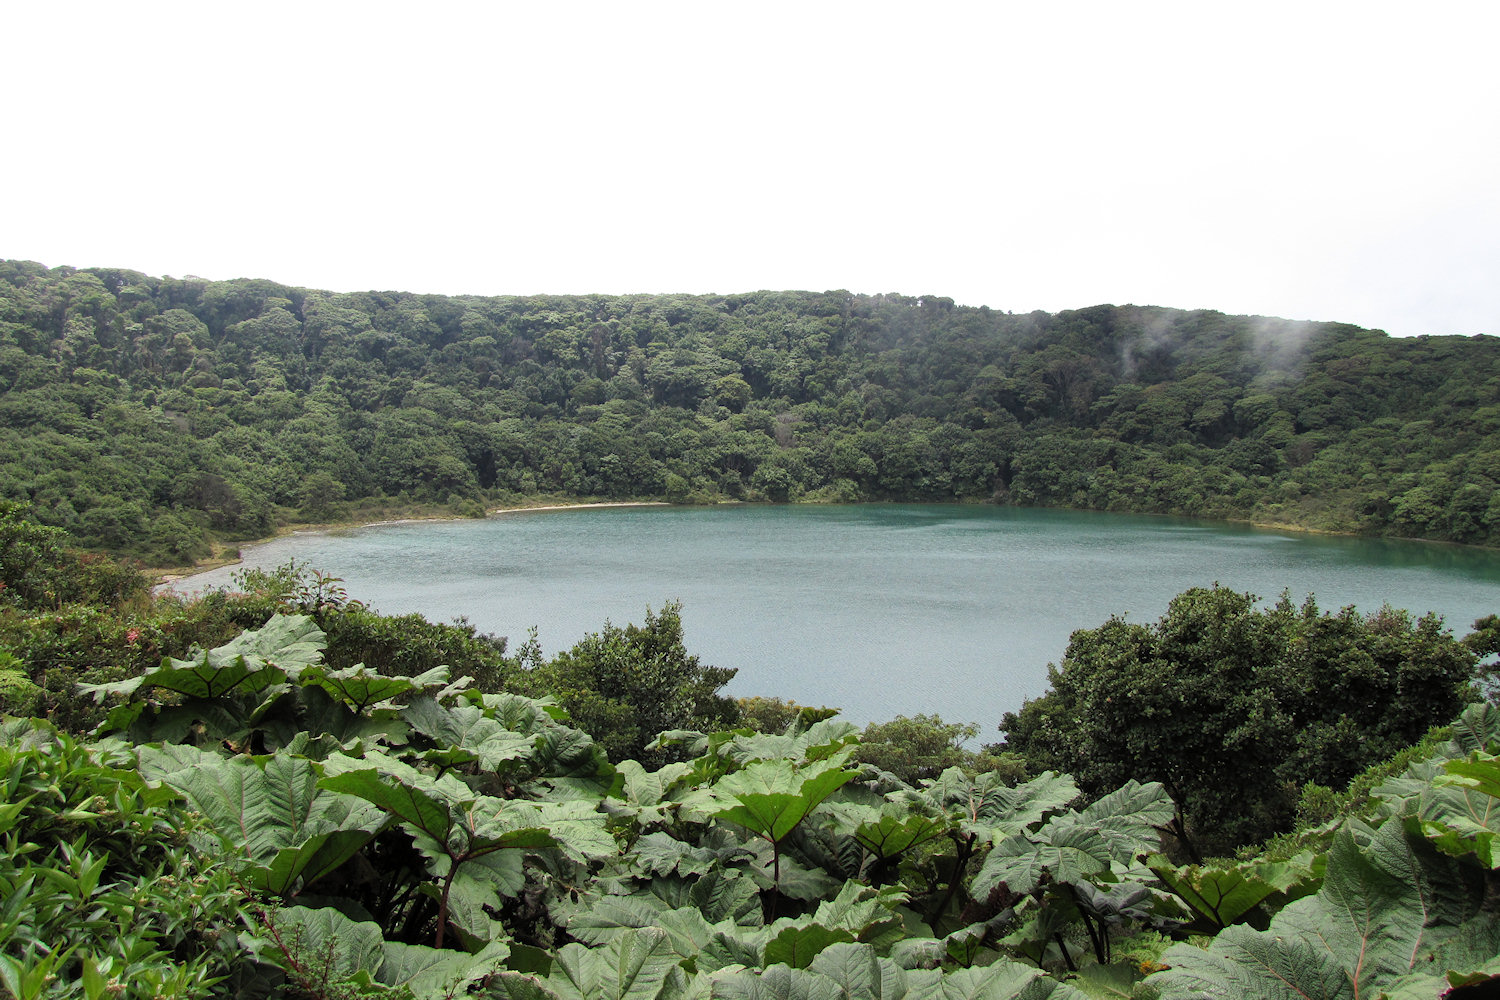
881	610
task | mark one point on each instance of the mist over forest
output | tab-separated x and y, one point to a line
150	416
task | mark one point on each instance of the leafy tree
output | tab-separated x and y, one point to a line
778	715
924	746
1219	694
38	570
624	686
319	495
151	416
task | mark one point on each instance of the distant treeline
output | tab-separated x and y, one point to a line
144	415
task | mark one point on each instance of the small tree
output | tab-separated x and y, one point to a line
38	570
1234	708
319	496
623	686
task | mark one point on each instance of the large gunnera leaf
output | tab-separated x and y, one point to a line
466	734
770	797
637	965
1222	895
250	662
268	810
1390	917
986	806
1075	847
855	972
1466	817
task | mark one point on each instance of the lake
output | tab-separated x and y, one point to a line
880	609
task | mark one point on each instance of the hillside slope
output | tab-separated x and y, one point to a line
144	415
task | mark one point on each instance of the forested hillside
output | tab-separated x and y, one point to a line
145	415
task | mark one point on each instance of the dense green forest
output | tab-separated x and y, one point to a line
277	793
148	415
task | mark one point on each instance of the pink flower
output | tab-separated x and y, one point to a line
131	635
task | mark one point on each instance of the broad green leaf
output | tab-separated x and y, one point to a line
250	662
649	791
467	898
1245	963
1461	810
599	921
1476	729
290	642
723	894
1481	772
661	854
362	688
561	752
438	972
1463	816
521	986
270	810
577	828
779	982
635	966
1072	853
27	734
1130	819
1415	792
895	829
1386	911
860	973
1471	958
1005	981
820	741
798	946
919	952
310	860
432	814
325	939
797	881
210	678
1108	982
1221	896
466	734
515	712
986	806
867	913
726	895
313	710
704	944
770	797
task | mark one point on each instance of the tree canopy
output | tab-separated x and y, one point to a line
1220	694
149	415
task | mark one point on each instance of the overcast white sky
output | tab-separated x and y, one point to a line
1330	161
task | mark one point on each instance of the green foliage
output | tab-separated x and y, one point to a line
150	416
333	831
1222	895
97	881
1393	915
404	645
776	715
625	685
38	572
1219	694
924	746
261	813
